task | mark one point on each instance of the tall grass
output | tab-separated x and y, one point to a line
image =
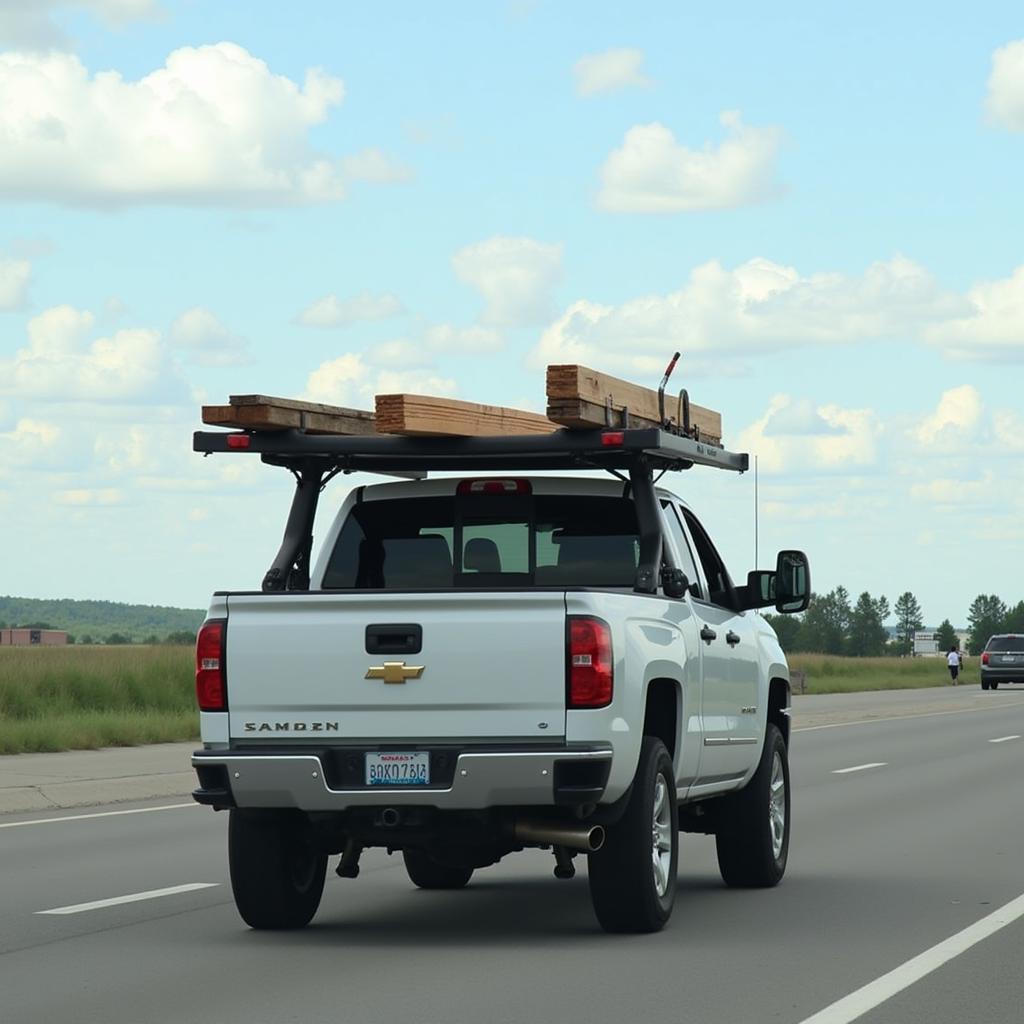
828	673
62	698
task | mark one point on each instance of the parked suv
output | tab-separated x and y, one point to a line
1002	661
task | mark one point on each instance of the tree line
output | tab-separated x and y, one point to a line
115	639
834	625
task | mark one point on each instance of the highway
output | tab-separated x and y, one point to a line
907	856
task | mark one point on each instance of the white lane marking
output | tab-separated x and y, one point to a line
134	897
1004	739
99	814
902	718
876	992
860	767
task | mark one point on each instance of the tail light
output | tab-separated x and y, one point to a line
490	485
590	667
211	686
984	657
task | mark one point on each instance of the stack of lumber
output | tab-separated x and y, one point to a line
421	415
265	412
579	397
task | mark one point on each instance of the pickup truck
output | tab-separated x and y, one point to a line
477	664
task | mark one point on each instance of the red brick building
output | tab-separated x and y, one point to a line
32	637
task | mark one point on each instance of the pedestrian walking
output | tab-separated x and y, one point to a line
953	661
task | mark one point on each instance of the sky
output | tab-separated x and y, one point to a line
820	206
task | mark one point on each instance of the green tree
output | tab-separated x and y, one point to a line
946	635
1013	621
787	628
87	639
117	639
181	636
71	638
908	620
986	616
825	623
867	634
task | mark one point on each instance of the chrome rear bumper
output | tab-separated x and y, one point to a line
481	779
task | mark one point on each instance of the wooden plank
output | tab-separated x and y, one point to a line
274	417
425	415
577	395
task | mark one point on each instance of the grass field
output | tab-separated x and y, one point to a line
74	698
829	674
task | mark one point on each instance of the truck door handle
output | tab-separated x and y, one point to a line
731	638
401	638
708	634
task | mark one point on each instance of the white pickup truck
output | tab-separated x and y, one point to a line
482	663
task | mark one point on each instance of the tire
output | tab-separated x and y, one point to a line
753	836
633	876
277	876
994	685
984	683
427	873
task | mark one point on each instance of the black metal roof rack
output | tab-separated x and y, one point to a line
563	449
315	458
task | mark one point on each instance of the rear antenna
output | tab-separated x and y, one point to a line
661	389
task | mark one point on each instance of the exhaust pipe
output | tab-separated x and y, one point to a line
584	838
390	818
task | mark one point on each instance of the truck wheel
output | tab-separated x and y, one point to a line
427	873
633	876
994	685
277	876
753	838
984	683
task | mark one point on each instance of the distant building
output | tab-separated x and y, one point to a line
926	642
32	637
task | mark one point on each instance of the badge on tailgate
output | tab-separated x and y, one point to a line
394	671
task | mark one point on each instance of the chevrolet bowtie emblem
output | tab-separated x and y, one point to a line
394	671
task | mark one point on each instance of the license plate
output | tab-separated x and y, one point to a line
1009	658
400	768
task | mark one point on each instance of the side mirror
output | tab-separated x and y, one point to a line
792	582
674	582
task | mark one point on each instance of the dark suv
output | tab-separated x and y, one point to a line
1002	661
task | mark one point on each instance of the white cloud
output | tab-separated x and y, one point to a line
31	444
375	166
207	340
29	23
758	307
14	278
844	438
1008	428
60	364
1005	100
214	125
515	276
993	327
331	311
609	72
956	420
90	496
464	340
352	382
398	353
653	173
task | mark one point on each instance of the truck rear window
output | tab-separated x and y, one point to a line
488	541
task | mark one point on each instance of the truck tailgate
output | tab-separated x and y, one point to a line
493	665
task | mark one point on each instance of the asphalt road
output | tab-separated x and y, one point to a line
889	866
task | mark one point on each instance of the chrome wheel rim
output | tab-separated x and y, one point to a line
661	837
777	806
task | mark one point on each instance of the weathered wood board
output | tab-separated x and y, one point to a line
577	397
264	412
425	415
